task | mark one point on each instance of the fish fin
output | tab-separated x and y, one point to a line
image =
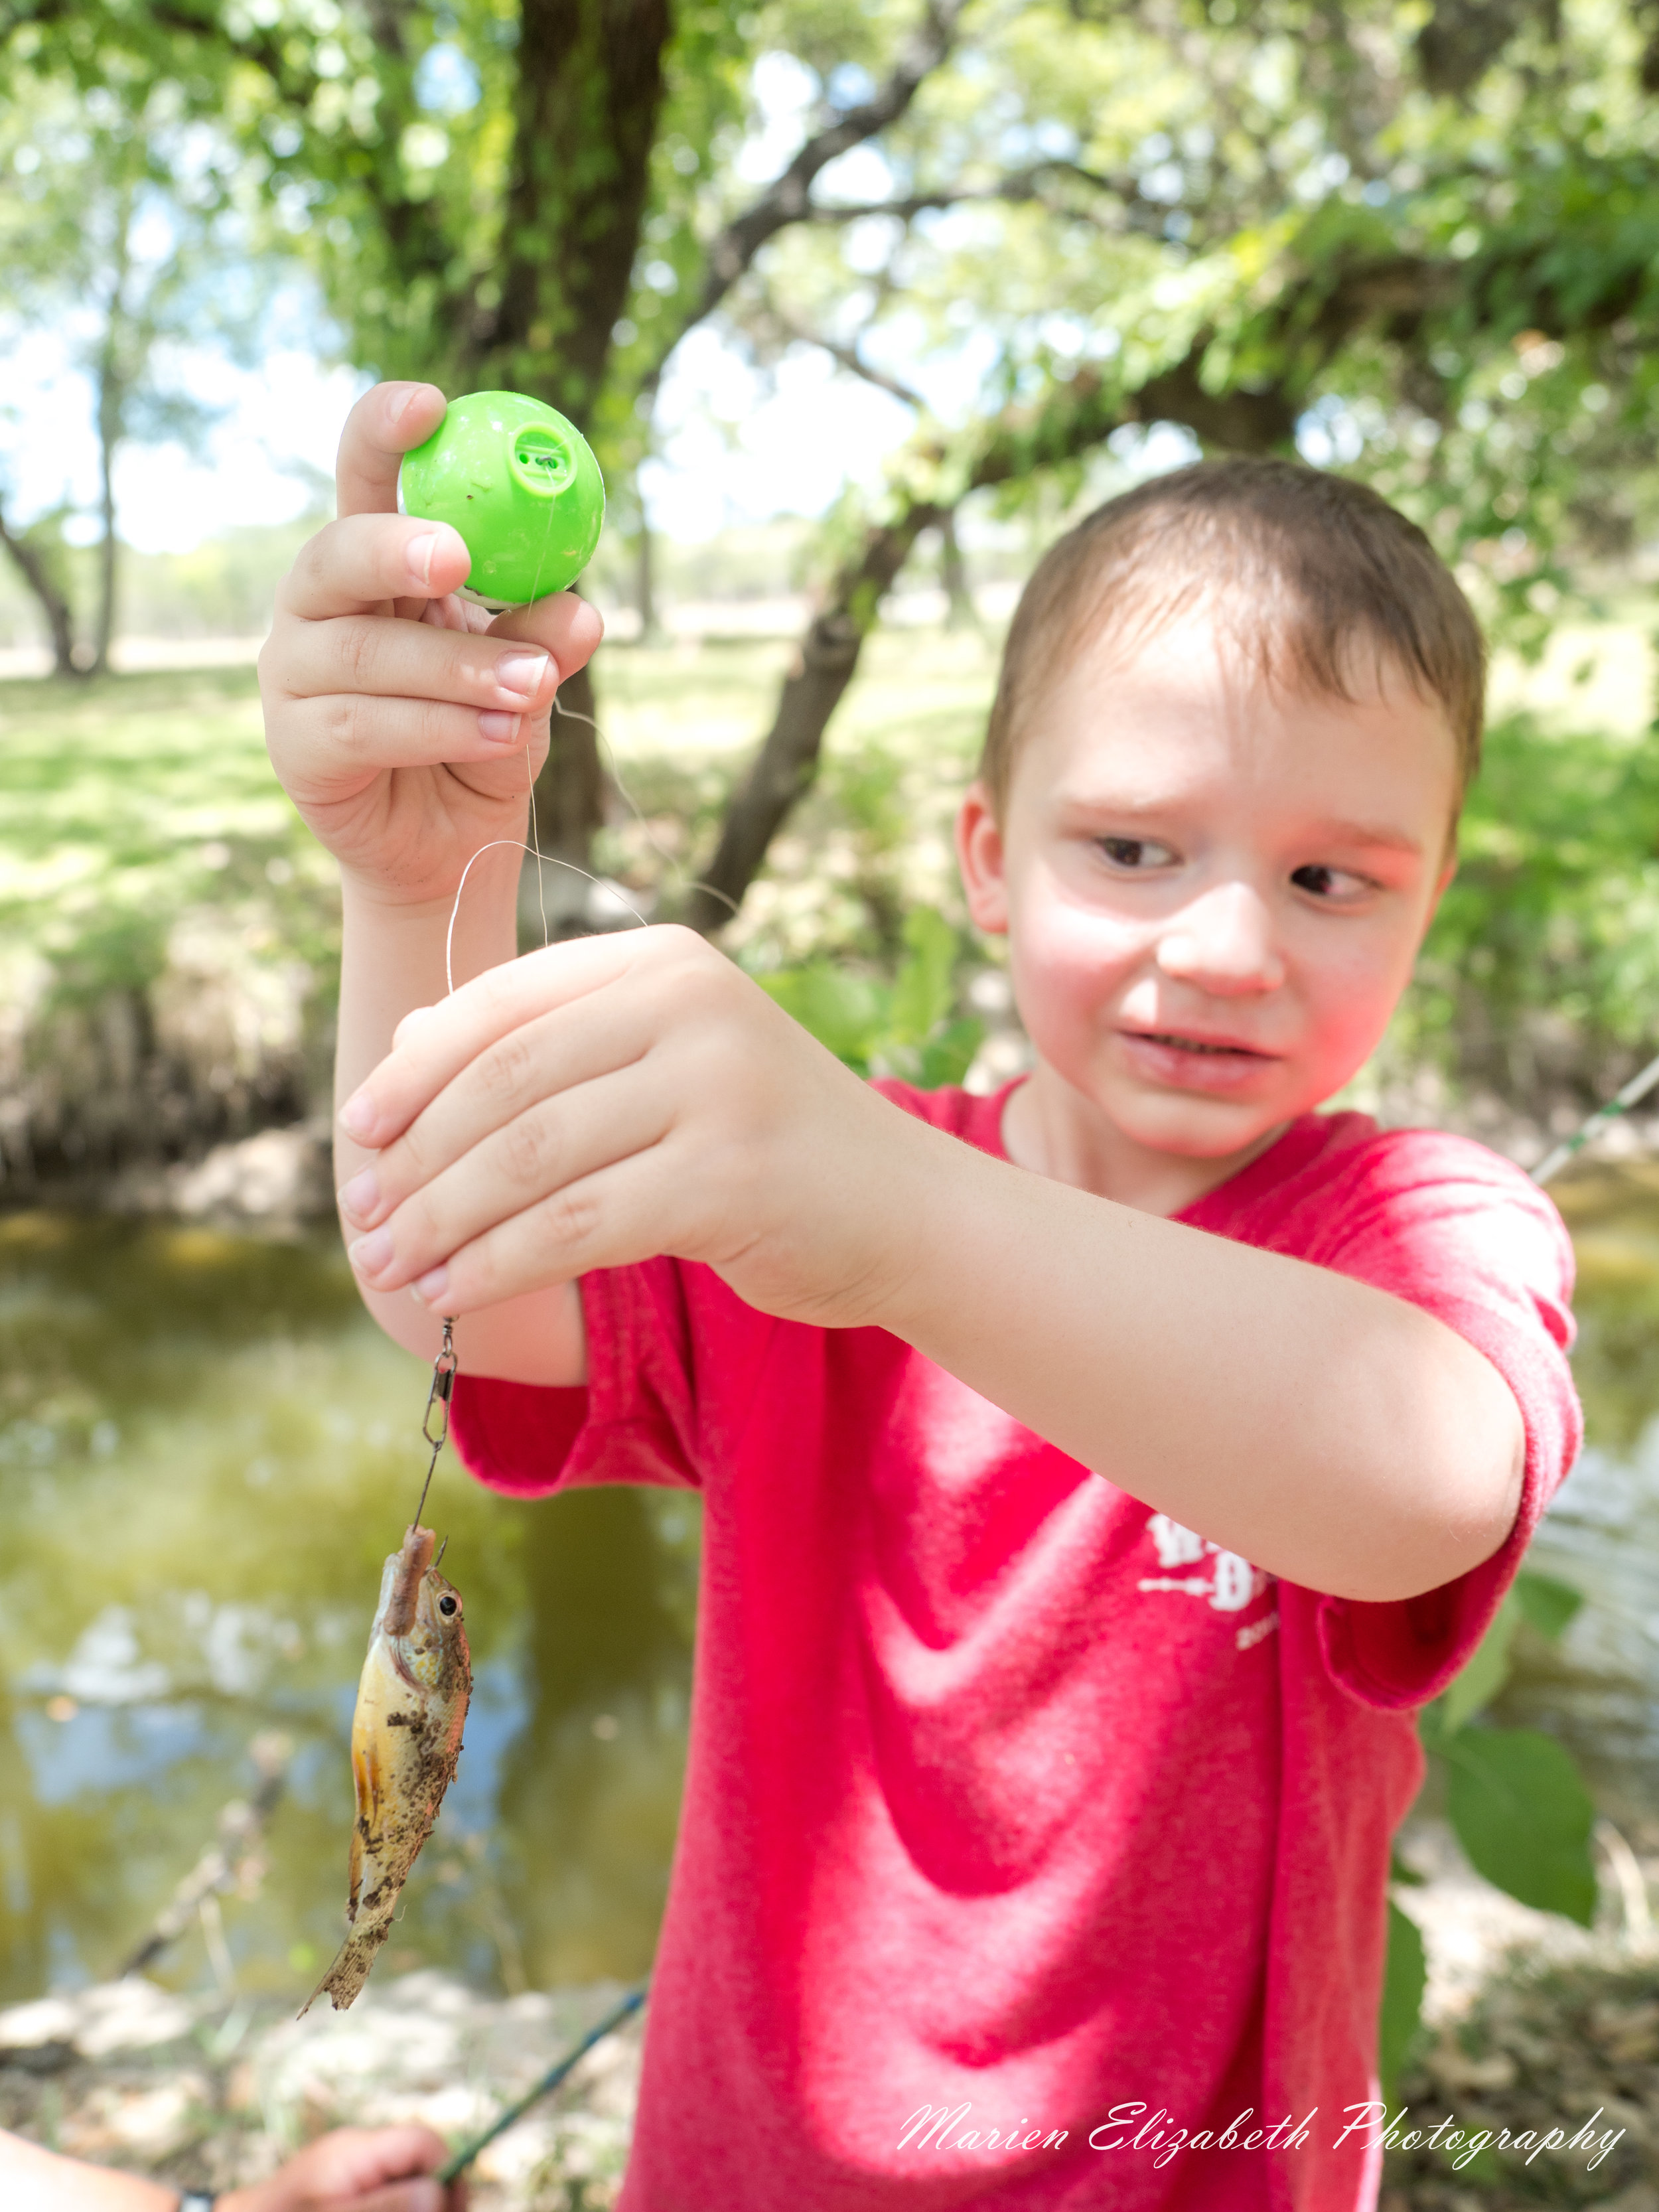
344	1979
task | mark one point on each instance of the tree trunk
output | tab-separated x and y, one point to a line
960	612
569	805
590	86
109	434
60	621
112	425
786	762
645	578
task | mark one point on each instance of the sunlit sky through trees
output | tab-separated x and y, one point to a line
735	444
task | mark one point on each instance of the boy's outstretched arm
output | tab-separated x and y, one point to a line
622	1096
405	732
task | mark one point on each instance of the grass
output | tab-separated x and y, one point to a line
146	847
132	804
142	829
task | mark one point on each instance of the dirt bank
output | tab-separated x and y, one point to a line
207	2094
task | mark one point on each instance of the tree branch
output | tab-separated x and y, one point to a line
1018	187
60	621
786	200
1072	417
786	327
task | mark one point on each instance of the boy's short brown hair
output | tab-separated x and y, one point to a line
1300	567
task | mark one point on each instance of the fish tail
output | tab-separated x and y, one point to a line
344	1979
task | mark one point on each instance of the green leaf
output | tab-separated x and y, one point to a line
845	1013
1399	1872
923	991
1522	1812
1487	1671
1546	1605
1404	1978
947	1057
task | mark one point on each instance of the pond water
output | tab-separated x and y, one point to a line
206	1449
1599	1689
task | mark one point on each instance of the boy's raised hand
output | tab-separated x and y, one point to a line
398	715
607	1100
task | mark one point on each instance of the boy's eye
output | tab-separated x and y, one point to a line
1135	852
1329	883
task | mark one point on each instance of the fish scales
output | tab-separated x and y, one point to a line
405	1740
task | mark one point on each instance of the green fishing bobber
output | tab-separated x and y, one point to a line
522	486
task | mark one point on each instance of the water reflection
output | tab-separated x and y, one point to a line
1598	1689
205	1451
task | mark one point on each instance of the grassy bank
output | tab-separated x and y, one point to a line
169	930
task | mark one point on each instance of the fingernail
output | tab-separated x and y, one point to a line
359	1197
431	1286
370	1253
521	672
358	1117
419	553
500	729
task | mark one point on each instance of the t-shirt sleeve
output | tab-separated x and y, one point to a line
1463	1234
640	1418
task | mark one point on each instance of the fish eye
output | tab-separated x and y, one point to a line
446	1605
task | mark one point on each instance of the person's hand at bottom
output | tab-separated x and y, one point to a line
352	2170
366	2169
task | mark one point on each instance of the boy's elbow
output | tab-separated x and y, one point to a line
1465	1505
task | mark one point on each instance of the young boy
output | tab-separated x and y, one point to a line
1096	1475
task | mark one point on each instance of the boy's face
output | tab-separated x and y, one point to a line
1214	887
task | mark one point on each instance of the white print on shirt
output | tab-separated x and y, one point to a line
1231	1585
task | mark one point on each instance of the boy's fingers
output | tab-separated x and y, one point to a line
432	1045
556	1055
379	430
565	624
344	738
607	1219
358	564
414	660
555	1145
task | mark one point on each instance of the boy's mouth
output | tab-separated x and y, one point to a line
1174	1042
1179	1061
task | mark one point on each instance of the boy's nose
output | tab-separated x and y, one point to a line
1223	942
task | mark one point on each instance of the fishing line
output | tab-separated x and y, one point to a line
444	1367
552	861
682	882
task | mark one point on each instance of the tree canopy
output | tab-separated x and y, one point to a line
1417	241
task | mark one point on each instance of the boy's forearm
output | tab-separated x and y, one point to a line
1328	1431
392	961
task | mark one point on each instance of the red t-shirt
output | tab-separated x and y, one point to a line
1008	1799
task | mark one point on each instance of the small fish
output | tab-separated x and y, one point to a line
405	1741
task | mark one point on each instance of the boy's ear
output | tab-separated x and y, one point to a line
980	857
